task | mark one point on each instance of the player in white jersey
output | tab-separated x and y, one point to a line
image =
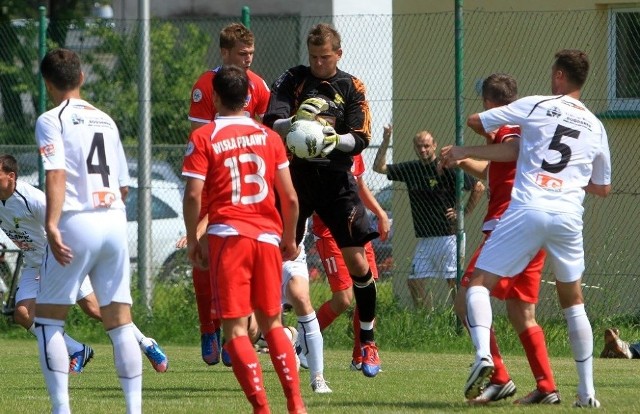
22	215
563	153
86	229
295	291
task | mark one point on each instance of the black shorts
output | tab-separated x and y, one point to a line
333	195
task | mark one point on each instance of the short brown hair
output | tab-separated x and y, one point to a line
233	33
62	68
500	88
8	164
322	33
232	86
574	63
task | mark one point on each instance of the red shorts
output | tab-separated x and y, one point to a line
525	286
334	266
246	274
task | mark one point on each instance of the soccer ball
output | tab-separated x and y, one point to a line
305	139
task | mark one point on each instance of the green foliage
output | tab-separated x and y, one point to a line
113	85
17	77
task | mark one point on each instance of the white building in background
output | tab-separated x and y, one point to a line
373	64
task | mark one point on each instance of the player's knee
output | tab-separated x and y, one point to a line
362	281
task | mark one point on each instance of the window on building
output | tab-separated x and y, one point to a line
624	59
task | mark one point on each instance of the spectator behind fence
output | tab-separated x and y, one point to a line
236	48
562	154
432	197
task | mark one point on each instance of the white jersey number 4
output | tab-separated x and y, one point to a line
101	167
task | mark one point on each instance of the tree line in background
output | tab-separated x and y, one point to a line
178	53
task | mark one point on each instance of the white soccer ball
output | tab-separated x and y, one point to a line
305	139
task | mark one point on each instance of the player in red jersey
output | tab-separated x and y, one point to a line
336	269
236	48
521	292
245	166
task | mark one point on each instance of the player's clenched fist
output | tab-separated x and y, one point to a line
310	108
450	155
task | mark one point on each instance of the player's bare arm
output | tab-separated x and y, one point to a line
124	192
503	152
474	122
370	202
474	197
191	211
380	162
55	191
289	208
598	189
476	168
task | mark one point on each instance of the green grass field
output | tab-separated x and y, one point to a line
409	383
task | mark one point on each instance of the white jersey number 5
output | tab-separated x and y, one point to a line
563	149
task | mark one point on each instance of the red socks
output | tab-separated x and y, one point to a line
535	347
248	372
284	362
325	315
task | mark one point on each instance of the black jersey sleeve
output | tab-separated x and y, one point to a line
282	102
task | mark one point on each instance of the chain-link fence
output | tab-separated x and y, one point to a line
407	63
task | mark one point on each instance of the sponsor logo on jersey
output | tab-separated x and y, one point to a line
16	222
554	111
189	150
197	95
573	105
48	150
548	182
103	199
76	119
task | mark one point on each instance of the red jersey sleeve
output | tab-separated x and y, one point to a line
196	159
260	93
202	109
357	169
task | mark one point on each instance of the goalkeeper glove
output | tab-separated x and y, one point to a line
310	108
331	140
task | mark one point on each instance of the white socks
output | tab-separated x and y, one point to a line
581	339
310	338
54	362
479	319
73	346
128	361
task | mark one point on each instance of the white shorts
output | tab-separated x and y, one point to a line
98	240
30	283
435	257
290	268
521	233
